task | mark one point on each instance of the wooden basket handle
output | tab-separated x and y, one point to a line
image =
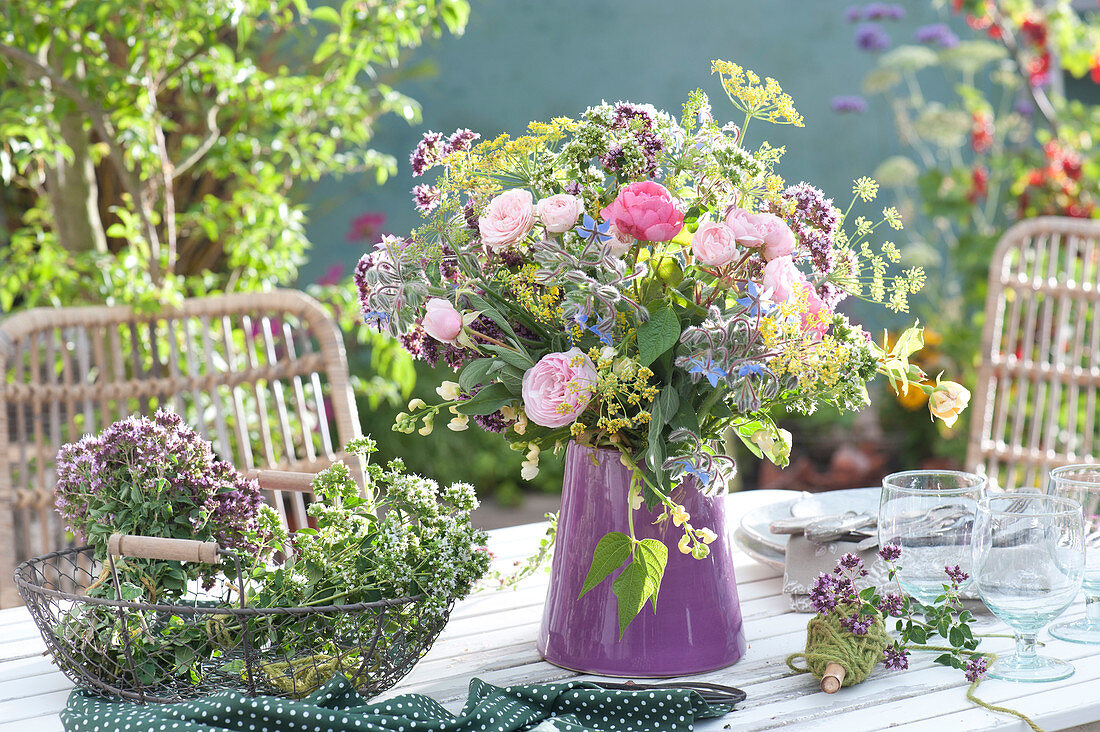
155	547
284	480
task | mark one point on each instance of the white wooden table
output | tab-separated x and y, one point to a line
492	635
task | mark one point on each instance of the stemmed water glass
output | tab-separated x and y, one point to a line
1029	560
1082	484
929	514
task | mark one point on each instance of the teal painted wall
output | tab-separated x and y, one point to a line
524	59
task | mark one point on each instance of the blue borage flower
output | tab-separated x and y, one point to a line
375	317
590	228
581	319
707	368
753	369
756	301
691	468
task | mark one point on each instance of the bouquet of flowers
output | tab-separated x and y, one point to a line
643	283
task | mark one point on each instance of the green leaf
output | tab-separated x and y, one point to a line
512	357
326	14
476	372
658	334
640	581
486	401
956	637
512	379
610	553
656	561
945	659
917	634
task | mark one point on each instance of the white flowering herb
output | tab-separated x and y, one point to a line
399	535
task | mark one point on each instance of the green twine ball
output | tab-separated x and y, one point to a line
827	641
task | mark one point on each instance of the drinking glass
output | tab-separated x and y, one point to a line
1082	483
929	514
1029	561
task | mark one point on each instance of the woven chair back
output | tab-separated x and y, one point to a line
1036	402
263	376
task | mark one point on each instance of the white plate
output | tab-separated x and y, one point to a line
756	522
831	503
759	552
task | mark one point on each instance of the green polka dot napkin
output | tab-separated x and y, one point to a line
576	706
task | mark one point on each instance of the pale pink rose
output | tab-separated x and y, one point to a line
559	213
619	243
782	277
645	211
743	225
507	219
778	237
714	245
441	320
558	388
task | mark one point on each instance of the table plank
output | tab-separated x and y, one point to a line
492	635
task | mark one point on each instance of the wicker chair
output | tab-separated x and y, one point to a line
263	376
1036	404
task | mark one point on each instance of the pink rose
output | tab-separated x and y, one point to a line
778	237
507	219
442	321
743	225
782	278
558	388
619	243
761	229
559	213
714	245
645	211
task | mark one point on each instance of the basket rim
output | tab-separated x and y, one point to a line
32	588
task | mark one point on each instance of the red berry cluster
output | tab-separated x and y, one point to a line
1055	188
979	183
981	131
1033	32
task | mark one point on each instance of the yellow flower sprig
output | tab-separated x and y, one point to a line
763	100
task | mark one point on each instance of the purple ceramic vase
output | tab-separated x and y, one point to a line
697	626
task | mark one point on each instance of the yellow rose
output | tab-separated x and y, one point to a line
947	400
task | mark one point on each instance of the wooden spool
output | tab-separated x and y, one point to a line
833	678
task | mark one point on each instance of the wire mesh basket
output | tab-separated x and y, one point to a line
210	640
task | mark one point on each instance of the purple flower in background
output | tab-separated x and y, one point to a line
849	562
895	657
892	605
427	152
848	103
890	553
425	197
823	595
367	226
956	574
331	276
461	140
872	38
816	222
976	668
853	14
857	624
936	34
884	11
